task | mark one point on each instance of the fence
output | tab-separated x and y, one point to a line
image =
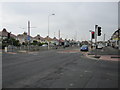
24	48
11	48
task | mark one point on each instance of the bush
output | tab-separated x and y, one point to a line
10	41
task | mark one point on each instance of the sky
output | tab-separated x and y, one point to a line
73	19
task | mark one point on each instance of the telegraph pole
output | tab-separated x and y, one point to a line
104	38
28	35
28	27
59	37
54	34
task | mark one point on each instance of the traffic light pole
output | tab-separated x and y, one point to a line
91	40
91	33
96	26
96	32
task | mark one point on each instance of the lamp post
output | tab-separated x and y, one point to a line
48	27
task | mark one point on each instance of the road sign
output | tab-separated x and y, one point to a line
28	37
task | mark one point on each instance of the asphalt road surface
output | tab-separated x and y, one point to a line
57	69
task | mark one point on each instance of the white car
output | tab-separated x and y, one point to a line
93	45
44	45
100	46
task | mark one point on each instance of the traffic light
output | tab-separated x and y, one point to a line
93	35
8	35
99	31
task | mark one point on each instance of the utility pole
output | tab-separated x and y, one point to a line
59	36
54	34
28	35
104	38
28	27
76	35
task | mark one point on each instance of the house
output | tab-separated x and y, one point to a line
4	34
24	38
61	41
39	39
48	39
55	41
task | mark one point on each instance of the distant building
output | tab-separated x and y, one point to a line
61	41
39	39
4	34
48	39
24	38
55	41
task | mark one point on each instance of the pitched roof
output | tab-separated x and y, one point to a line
55	39
61	40
39	37
48	38
23	35
4	33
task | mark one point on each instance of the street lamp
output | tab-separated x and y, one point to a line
48	27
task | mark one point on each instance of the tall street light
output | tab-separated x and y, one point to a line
48	27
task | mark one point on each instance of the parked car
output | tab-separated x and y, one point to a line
84	48
44	45
100	46
93	45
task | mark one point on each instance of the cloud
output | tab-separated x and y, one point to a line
70	17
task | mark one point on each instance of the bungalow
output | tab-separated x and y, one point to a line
4	34
24	38
61	41
48	39
39	39
55	41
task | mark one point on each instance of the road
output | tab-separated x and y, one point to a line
57	69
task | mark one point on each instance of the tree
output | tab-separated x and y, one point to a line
10	41
34	42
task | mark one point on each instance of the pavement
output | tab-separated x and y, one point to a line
107	53
65	68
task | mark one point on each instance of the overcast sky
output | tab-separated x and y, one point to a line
73	19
